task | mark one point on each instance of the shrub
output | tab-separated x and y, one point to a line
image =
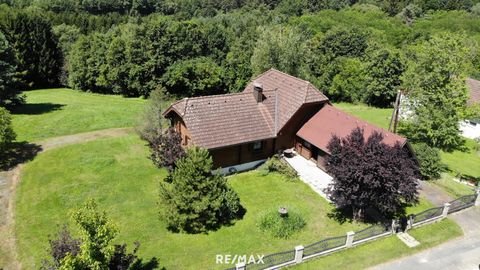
281	227
429	160
276	164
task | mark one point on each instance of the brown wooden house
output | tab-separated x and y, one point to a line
274	112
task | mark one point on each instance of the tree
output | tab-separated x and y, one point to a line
150	127
67	35
166	149
97	232
60	247
430	162
383	72
194	77
280	47
435	84
410	13
197	200
369	173
36	47
7	135
349	83
9	88
94	249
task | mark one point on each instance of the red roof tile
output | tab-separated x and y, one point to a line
331	121
474	89
222	120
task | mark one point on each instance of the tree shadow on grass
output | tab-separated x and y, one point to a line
343	215
226	221
148	265
17	153
36	108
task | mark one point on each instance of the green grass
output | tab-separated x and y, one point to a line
384	250
117	173
453	188
464	162
378	116
56	112
422	205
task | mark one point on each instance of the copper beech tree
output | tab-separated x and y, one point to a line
369	173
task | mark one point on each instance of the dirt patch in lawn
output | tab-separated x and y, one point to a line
9	181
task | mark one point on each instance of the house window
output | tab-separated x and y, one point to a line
307	145
257	146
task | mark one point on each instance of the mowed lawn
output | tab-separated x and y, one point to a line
377	116
56	112
466	162
117	173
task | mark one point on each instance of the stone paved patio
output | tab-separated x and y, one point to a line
309	173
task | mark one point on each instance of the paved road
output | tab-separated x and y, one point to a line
459	254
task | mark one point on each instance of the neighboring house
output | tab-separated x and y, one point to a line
471	127
276	111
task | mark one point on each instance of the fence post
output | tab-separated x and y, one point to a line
477	202
446	207
299	254
394	226
409	223
350	236
240	266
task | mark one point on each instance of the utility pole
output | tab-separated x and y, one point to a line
396	109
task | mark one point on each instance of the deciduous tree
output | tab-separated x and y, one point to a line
369	173
435	84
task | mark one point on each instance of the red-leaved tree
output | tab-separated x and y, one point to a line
370	173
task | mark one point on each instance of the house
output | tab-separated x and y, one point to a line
471	128
275	111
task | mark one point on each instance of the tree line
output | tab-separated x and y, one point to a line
362	52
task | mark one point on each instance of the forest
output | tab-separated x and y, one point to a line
354	51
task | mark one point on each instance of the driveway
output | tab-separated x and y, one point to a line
309	173
459	254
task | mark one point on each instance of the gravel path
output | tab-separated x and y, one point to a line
9	182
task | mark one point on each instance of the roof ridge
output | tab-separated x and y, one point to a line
291	76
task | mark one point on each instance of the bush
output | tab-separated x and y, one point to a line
275	164
429	160
281	227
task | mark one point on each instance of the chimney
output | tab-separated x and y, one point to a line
258	92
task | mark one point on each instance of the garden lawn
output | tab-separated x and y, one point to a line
117	173
452	187
56	112
384	250
464	162
377	116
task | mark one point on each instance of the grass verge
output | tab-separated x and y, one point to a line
387	249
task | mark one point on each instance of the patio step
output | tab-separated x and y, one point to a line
408	239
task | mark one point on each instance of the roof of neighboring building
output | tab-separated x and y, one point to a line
230	119
330	121
474	88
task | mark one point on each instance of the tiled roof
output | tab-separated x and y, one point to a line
292	92
222	120
331	121
474	88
